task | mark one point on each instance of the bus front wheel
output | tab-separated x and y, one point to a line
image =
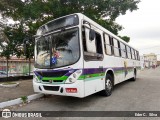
108	86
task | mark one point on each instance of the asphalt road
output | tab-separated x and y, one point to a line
141	95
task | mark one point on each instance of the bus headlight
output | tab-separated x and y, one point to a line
74	76
72	80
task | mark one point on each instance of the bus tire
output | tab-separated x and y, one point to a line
134	76
108	86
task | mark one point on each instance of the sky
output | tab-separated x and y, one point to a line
143	27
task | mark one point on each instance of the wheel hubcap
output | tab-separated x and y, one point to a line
108	84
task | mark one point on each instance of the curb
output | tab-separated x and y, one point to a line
9	85
18	100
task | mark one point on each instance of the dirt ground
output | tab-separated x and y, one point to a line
24	88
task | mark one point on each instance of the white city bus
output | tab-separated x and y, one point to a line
75	56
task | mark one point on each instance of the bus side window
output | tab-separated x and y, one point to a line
84	40
129	52
138	56
107	45
90	45
119	49
112	44
133	55
98	43
123	50
92	49
126	51
116	48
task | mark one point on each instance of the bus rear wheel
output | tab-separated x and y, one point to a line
134	76
108	86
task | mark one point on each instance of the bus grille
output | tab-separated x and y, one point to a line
53	81
51	88
52	74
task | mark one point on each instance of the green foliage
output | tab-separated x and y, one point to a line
14	46
125	38
33	13
24	99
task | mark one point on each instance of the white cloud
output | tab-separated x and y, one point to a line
143	26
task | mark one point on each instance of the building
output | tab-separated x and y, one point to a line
16	66
150	60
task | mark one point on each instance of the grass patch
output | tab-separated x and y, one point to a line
24	99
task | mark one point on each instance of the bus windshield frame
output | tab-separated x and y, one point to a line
57	45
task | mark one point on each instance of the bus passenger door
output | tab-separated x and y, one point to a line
93	58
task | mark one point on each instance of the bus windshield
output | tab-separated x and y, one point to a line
58	49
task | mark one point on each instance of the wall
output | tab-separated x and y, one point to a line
16	67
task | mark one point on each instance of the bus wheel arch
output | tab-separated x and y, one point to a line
109	83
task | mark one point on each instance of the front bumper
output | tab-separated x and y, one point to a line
60	89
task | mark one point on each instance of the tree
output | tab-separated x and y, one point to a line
3	37
31	10
12	45
125	38
33	13
4	49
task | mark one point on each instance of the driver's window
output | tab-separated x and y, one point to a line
90	45
92	48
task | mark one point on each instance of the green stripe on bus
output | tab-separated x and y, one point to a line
122	71
82	77
119	72
94	78
55	78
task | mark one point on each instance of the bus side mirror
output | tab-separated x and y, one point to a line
91	31
91	34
